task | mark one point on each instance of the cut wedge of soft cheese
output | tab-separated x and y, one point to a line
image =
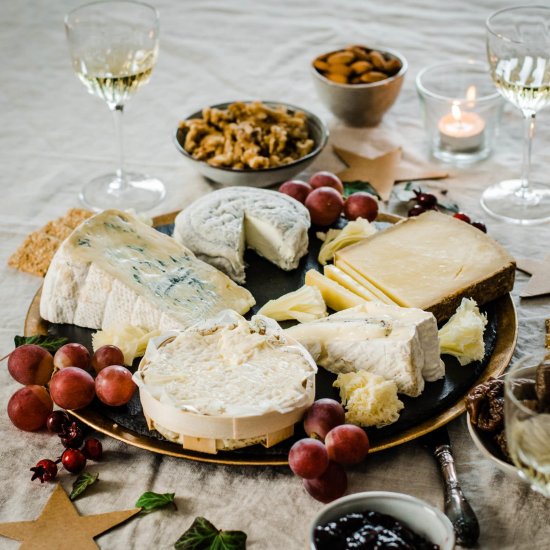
115	270
226	383
431	262
335	296
390	341
343	279
303	305
219	226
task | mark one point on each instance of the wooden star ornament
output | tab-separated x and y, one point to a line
539	284
382	172
60	526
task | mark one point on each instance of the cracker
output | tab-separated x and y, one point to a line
37	251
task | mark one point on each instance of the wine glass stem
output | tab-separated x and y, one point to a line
529	128
120	183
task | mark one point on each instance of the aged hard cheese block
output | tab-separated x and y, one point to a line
431	262
113	269
399	344
219	226
226	383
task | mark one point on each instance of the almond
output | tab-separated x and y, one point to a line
360	67
341	58
392	66
373	76
377	59
339	68
340	78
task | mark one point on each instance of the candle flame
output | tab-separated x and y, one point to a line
471	93
456	112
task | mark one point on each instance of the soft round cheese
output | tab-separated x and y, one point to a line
221	225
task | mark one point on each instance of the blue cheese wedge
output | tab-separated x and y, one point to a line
389	341
221	225
226	383
114	269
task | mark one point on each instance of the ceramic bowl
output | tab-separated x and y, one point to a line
423	519
318	131
360	104
489	449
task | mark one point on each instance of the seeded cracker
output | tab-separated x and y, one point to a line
35	254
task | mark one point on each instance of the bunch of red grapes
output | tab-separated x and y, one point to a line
320	458
322	195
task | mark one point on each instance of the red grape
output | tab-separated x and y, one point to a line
323	415
325	205
480	225
308	458
105	356
72	355
332	484
347	444
29	407
296	189
114	385
72	388
326	179
361	205
462	216
31	364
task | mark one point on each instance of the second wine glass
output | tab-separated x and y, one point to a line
114	47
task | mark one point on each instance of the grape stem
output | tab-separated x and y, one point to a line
5	356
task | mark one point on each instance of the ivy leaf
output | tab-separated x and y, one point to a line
354	186
51	343
150	501
202	535
82	482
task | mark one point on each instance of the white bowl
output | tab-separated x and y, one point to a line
423	519
318	132
486	450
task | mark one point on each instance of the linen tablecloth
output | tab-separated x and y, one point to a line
53	137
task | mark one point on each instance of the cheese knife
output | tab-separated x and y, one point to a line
457	508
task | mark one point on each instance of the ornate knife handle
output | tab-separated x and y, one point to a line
457	508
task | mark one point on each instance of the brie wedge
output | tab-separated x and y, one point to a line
226	383
221	225
115	270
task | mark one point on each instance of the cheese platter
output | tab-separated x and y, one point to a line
440	401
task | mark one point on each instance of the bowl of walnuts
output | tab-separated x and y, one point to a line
359	84
252	143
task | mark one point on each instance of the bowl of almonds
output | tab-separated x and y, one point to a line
358	83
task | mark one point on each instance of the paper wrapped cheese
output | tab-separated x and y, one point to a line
113	269
226	383
431	262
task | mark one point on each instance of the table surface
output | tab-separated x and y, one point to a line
53	137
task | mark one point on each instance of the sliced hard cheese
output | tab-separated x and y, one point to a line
303	305
337	275
335	296
113	269
431	262
226	383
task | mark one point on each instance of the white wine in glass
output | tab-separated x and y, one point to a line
518	48
114	47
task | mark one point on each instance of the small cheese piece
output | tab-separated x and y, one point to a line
431	262
221	225
370	400
131	340
226	382
303	305
343	279
335	296
113	269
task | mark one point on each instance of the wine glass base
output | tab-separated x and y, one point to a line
506	201
140	192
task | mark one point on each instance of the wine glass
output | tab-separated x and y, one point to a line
114	47
518	48
527	422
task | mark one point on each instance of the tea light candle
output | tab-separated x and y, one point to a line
461	131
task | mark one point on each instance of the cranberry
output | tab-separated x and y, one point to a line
93	450
480	225
72	436
426	199
73	460
416	210
462	216
57	422
45	470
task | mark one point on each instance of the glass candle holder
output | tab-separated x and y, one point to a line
462	110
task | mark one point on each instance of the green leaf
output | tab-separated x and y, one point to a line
354	186
82	482
51	343
451	206
411	186
202	535
150	501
